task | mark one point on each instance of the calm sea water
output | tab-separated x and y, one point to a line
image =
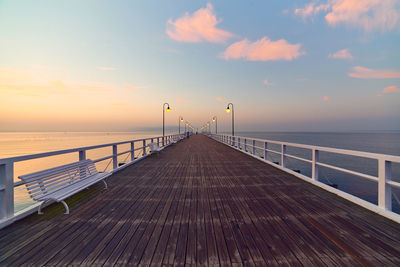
21	143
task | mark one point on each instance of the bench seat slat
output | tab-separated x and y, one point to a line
55	170
74	188
66	177
60	182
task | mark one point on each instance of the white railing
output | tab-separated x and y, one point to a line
7	183
385	183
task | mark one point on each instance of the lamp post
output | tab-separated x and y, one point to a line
180	120
228	110
163	121
216	124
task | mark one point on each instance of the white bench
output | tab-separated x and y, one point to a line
154	147
59	183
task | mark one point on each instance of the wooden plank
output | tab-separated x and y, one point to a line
202	203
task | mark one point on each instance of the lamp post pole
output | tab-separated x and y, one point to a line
163	121
180	119
233	117
216	124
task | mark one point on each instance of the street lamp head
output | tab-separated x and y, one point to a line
181	119
213	120
228	109
168	109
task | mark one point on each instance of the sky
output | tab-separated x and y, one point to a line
95	65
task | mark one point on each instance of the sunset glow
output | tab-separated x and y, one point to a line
94	66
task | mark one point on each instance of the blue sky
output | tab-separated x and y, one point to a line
286	65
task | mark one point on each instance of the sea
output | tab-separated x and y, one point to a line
23	143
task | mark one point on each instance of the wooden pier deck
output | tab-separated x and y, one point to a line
200	202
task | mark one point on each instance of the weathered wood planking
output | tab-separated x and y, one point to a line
200	202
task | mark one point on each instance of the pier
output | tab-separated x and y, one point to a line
200	202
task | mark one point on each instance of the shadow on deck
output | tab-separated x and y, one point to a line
201	202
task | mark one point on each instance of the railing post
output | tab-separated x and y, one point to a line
245	145
384	189
82	156
283	156
6	190
144	147
158	141
115	156
132	151
254	147
265	150
315	159
238	142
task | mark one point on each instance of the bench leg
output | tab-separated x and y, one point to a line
40	208
105	184
65	206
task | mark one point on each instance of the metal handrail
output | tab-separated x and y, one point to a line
7	183
251	146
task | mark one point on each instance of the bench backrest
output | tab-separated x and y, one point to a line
47	181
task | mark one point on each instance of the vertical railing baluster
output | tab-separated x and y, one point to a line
115	156
245	145
144	147
82	170
265	150
384	189
254	147
6	190
132	151
283	156
315	159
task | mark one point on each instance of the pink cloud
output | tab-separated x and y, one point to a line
219	99
180	100
198	27
342	54
130	87
365	73
326	98
391	89
369	15
311	9
263	50
267	83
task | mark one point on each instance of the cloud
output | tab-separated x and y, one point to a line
391	89
130	87
368	15
267	83
198	27
106	68
180	100
263	50
365	73
220	99
39	80
311	9
342	54
326	98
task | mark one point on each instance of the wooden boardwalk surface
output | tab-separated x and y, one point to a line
200	202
